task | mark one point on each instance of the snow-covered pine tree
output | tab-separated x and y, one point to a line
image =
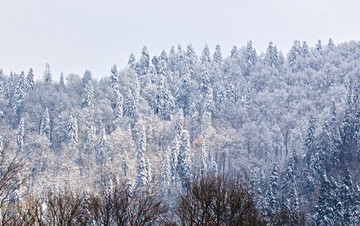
174	148
205	56
20	135
183	94
132	61
191	59
294	54
250	56
165	170
334	136
203	164
2	85
90	143
45	124
183	159
218	55
88	95
205	82
209	105
323	212
47	75
271	55
72	131
30	84
274	178
101	150
20	92
164	103
331	45
148	171
61	81
310	135
141	166
234	54
270	204
231	93
114	78
305	49
129	106
118	104
144	62
318	47
346	198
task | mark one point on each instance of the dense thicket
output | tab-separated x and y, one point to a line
291	121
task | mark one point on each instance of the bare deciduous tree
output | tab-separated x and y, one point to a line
217	200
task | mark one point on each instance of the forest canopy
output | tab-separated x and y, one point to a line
291	122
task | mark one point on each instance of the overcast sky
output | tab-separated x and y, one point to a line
75	35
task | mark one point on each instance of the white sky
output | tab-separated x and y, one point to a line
75	35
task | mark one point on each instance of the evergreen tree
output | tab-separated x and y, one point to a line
30	84
183	159
269	204
118	104
310	135
294	205
205	56
335	141
288	176
90	144
47	75
165	170
231	93
147	171
318	47
294	54
205	81
129	107
62	82
20	91
209	102
217	54
164	103
191	58
88	95
250	57
214	166
203	159
142	174
2	85
45	124
173	160
144	61
346	198
234	54
20	135
220	99
114	78
274	178
163	63
179	125
132	61
101	150
346	127
72	131
323	212
271	55
305	49
183	94
331	45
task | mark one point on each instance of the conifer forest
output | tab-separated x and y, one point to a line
180	138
